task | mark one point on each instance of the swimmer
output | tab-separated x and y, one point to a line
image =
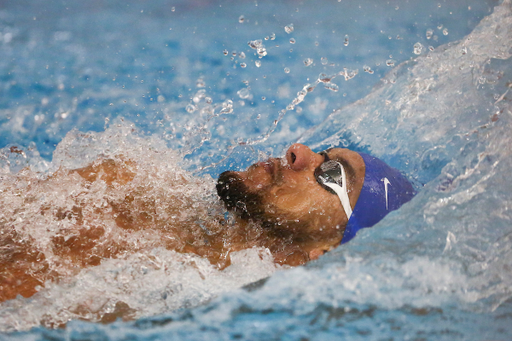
298	207
317	200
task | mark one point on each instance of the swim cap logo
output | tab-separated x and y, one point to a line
386	183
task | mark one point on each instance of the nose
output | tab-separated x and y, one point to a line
300	157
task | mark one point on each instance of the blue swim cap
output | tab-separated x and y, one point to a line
384	190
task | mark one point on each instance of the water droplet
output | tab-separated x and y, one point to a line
199	96
208	100
243	65
267	38
440	26
368	69
241	55
262	52
324	78
429	33
200	83
324	61
273	36
292	41
254	44
257	63
431	48
346	40
308	61
241	19
331	86
233	53
225	52
288	28
309	87
190	108
417	48
390	62
445	31
348	74
286	70
263	98
173	9
244	93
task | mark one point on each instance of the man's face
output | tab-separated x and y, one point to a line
284	195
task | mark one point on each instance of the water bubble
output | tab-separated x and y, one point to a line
263	98
368	69
225	52
292	41
440	26
243	65
346	40
173	9
273	36
390	62
429	33
208	100
233	53
286	70
308	61
431	48
417	48
241	19
324	61
445	31
267	38
241	55
288	28
257	63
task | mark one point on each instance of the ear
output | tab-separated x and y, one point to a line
316	253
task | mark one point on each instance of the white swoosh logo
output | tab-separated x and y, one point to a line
386	183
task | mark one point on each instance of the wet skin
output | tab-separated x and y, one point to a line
283	195
278	205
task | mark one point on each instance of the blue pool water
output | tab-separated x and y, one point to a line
423	85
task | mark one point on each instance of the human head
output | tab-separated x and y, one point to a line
283	195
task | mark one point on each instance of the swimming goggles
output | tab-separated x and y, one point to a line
331	175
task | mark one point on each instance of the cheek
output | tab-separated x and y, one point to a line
301	202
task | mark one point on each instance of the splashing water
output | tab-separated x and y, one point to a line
436	269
